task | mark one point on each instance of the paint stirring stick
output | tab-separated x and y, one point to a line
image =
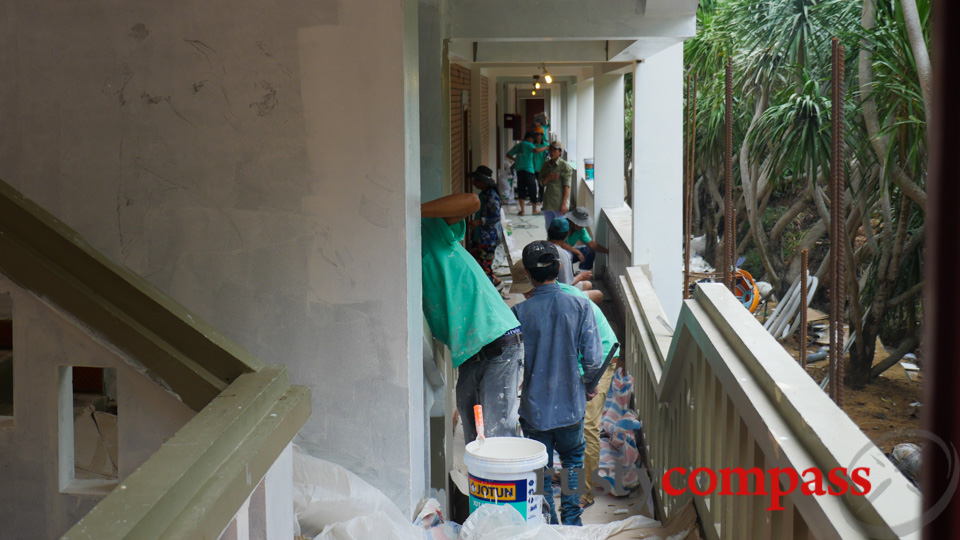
478	419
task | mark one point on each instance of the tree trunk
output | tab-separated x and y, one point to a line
921	55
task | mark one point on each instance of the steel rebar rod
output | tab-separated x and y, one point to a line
686	197
837	232
691	173
832	357
803	309
728	235
840	222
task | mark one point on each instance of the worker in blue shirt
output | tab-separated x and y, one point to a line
560	334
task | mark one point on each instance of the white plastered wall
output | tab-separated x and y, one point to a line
260	164
31	502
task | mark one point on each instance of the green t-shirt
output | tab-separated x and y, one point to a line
463	309
580	236
607	337
539	158
523	151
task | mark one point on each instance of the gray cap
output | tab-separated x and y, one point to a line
580	216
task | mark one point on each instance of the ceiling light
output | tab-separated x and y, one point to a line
533	92
536	85
547	77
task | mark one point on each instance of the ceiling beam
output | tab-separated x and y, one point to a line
564	20
542	51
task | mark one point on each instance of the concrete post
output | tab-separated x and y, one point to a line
431	104
658	174
570	126
608	141
476	118
492	122
584	118
608	154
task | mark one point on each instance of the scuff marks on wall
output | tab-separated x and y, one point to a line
265	106
373	213
262	45
139	32
208	52
154	100
117	83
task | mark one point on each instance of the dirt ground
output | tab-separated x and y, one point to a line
882	409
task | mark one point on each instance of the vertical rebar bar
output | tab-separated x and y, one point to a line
686	196
688	201
841	229
803	309
728	224
837	228
693	164
832	357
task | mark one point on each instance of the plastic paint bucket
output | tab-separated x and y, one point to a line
502	470
588	167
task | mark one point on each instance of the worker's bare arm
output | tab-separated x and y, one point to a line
597	247
451	208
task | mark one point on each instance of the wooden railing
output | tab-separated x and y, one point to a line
227	472
719	392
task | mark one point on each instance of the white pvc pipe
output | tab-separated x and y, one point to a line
792	306
811	289
786	313
780	305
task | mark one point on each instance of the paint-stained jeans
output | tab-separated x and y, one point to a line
568	442
493	383
588	257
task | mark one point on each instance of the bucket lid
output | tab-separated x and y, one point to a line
515	453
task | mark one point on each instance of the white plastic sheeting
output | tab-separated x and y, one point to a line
492	522
331	503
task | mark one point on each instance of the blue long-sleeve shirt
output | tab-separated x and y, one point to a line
557	328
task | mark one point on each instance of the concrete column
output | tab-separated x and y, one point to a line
584	118
608	141
570	142
608	153
492	122
556	110
476	118
658	174
366	373
431	103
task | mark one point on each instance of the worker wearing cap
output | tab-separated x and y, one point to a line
556	175
466	313
580	219
562	336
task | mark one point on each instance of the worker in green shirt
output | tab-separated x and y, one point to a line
466	313
522	157
580	219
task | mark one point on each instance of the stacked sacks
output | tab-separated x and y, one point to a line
618	442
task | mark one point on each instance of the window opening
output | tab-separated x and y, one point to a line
88	429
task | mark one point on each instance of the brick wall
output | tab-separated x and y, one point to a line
459	81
